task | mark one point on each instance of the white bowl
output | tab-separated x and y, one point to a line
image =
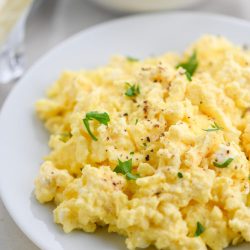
144	5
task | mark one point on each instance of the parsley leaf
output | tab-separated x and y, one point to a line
189	77
199	229
215	127
223	164
131	176
133	90
180	175
125	168
103	118
190	66
132	59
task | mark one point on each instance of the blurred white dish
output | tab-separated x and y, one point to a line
24	140
144	5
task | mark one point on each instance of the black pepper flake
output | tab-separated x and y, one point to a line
151	150
148	139
125	114
147	157
145	110
107	138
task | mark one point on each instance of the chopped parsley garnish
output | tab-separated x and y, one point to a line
132	153
125	168
133	90
132	59
223	164
190	66
131	176
136	121
180	175
103	118
199	229
215	127
64	137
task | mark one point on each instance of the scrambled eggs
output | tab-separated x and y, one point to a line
158	150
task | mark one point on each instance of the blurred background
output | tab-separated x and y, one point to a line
28	29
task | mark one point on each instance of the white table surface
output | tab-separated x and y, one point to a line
51	22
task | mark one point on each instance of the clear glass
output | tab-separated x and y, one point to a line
11	53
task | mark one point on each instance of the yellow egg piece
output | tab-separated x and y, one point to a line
156	149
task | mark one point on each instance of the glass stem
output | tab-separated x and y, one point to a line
11	54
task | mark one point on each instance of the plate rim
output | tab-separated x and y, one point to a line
58	46
18	85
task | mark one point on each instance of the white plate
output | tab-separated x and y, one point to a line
24	140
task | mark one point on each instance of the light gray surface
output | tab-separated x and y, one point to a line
52	22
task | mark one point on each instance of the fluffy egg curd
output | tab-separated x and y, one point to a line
156	150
